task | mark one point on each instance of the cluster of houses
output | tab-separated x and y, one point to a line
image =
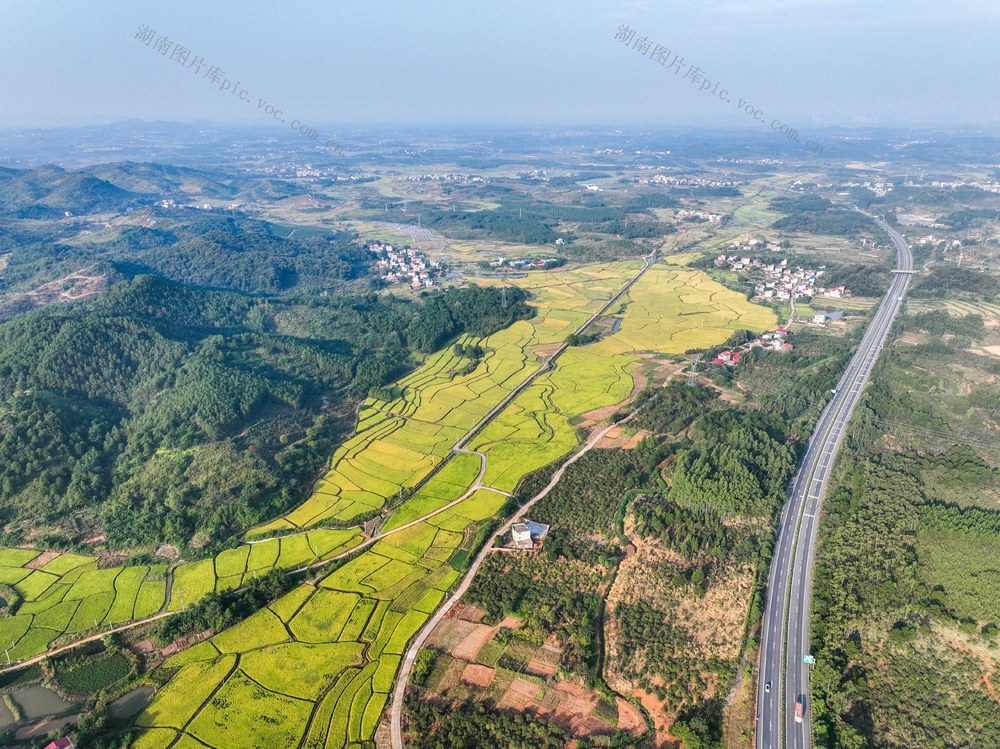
723	160
931	239
770	341
879	187
689	181
686	215
444	177
530	263
778	282
985	186
404	265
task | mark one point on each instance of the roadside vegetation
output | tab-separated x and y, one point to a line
907	647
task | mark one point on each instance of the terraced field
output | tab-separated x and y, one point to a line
670	310
320	661
957	308
316	667
68	597
398	442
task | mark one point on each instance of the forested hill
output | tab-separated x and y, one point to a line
218	250
50	191
166	412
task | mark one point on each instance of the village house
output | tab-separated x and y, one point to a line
528	535
61	743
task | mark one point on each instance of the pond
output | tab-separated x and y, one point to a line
6	719
37	701
130	703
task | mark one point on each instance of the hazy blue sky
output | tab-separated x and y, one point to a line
544	61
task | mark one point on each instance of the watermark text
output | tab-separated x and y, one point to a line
217	77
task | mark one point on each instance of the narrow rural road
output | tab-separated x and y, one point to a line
407	666
783	676
77	643
476	486
550	360
403	677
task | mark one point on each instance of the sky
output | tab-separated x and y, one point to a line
550	62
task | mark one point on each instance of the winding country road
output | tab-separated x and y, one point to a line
399	690
785	627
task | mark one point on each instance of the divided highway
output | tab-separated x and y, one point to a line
783	676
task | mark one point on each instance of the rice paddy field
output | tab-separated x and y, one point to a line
670	310
399	442
68	597
316	667
318	664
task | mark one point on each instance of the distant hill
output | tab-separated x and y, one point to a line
50	192
162	180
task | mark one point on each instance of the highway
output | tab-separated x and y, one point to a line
785	626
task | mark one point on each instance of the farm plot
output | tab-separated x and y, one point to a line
320	661
669	310
453	480
955	308
398	442
68	595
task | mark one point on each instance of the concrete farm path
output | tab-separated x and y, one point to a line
399	690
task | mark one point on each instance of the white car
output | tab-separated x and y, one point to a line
767	687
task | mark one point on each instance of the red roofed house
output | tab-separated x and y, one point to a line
62	743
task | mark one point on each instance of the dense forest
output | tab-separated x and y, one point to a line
957	282
159	410
448	726
122	220
905	647
528	222
51	192
213	250
816	215
559	591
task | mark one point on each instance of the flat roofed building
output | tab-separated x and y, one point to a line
521	534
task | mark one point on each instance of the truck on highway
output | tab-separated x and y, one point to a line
798	709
